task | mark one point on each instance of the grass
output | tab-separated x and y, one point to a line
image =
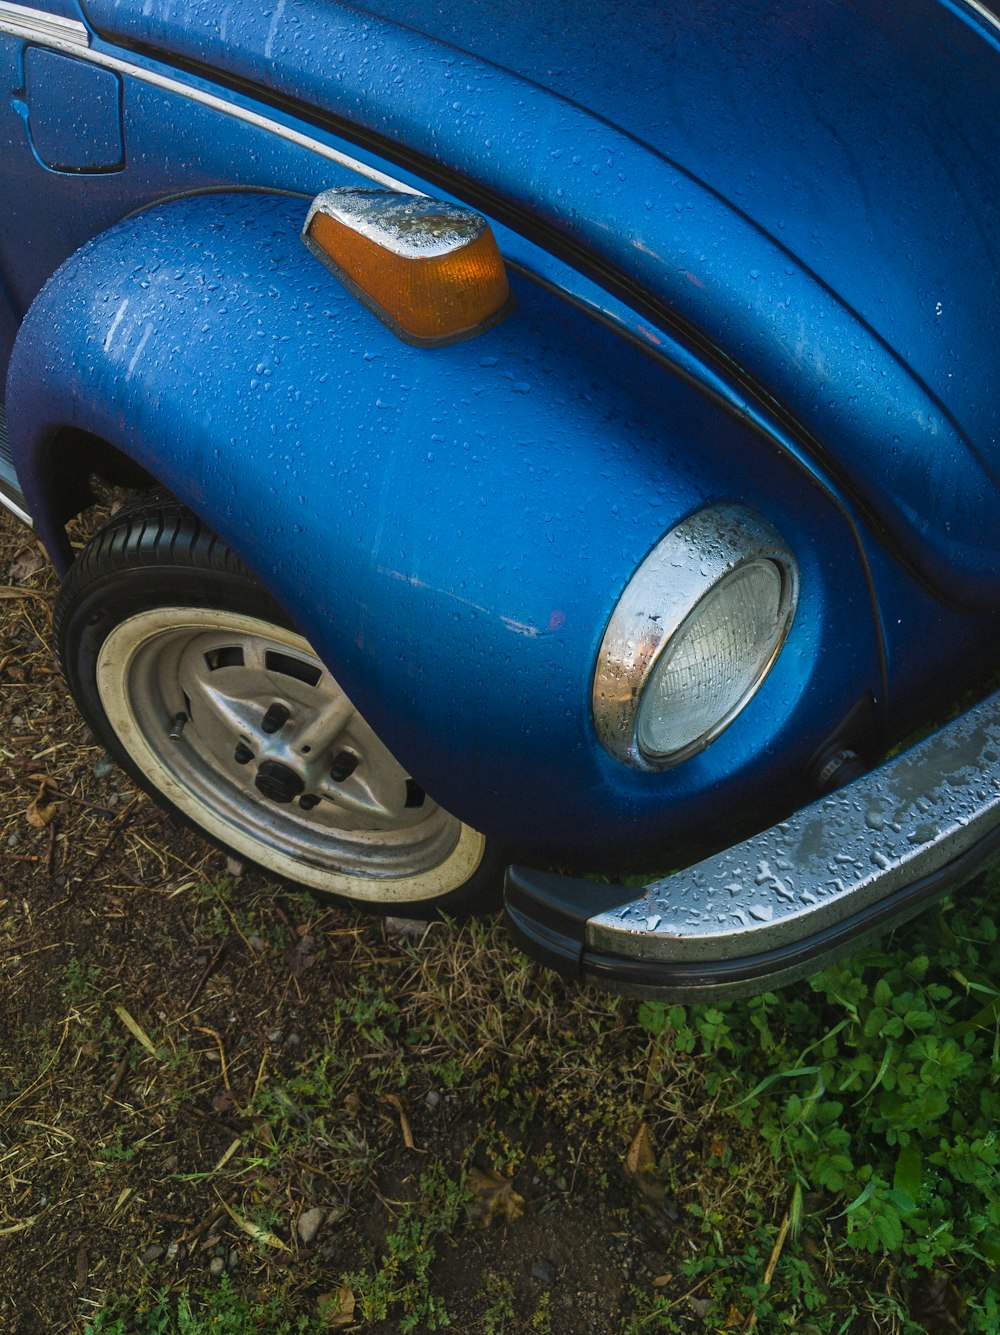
826	1158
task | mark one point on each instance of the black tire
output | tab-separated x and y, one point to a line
193	679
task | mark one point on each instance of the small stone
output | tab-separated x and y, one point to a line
404	929
433	1100
257	942
217	1267
235	868
276	1035
176	1252
13	840
102	767
170	1163
233	1260
310	1223
152	1253
293	1040
544	1271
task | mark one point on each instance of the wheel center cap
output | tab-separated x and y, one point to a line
278	782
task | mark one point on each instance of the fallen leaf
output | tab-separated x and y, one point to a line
640	1165
336	1310
28	561
41	813
494	1199
300	956
640	1157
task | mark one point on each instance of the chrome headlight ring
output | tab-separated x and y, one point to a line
697	629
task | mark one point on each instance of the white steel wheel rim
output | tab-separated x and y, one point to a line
368	836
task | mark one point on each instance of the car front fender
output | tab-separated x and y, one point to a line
451	528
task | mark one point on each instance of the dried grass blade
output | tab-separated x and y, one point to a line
135	1029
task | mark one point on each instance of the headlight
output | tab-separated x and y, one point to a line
695	633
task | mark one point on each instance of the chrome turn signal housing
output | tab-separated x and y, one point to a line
431	271
696	631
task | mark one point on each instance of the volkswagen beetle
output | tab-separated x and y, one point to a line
561	441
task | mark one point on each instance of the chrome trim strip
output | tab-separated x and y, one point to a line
16	510
684	566
408	230
36	24
842	855
63	35
985	14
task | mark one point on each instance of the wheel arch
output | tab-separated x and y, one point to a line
74	467
449	528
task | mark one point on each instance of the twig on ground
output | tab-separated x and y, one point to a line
117	1079
206	973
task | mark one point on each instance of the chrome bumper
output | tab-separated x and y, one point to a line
784	902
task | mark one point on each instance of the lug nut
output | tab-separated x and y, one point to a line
243	755
276	717
344	765
309	801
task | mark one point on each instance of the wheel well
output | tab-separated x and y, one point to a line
82	469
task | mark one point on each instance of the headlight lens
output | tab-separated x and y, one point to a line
693	637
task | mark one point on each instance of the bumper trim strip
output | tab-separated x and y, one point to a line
783	902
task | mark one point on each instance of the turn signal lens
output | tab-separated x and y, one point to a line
431	271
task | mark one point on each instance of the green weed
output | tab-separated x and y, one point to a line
876	1093
400	1283
212	1311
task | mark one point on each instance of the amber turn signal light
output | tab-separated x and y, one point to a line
431	271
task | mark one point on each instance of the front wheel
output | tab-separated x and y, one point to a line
193	679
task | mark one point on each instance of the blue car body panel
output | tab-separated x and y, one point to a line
452	530
808	192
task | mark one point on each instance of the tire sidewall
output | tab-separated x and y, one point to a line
123	572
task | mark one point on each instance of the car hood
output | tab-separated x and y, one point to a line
811	193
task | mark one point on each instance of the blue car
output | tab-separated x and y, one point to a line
561	440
